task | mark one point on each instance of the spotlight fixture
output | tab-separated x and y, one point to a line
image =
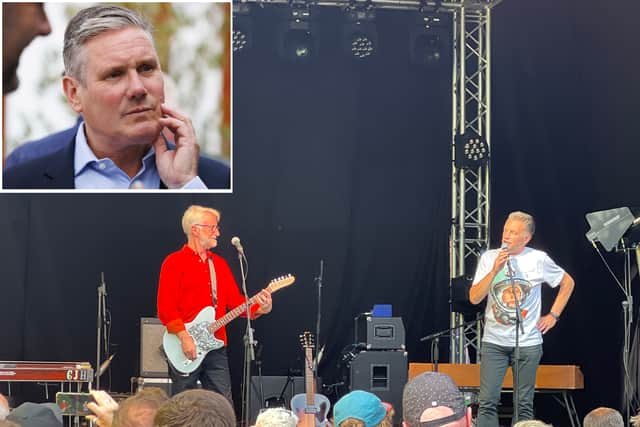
299	43
360	35
472	151
241	36
429	39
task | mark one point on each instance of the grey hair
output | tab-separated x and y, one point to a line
603	417
194	214
531	423
91	22
277	417
525	218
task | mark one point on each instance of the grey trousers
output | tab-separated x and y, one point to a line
493	367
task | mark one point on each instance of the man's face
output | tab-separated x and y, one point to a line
21	23
122	90
207	231
515	235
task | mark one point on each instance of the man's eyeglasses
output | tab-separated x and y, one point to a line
211	227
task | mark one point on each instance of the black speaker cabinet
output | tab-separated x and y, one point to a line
383	373
274	388
381	333
152	361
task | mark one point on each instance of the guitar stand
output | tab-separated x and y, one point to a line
277	401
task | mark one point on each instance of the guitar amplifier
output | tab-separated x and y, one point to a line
139	383
380	333
153	363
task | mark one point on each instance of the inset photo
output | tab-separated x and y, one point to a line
115	97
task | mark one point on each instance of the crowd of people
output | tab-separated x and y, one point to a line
429	400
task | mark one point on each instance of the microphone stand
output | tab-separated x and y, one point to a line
516	363
249	342
318	280
435	351
102	314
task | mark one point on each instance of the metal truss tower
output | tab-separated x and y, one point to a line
471	92
470	197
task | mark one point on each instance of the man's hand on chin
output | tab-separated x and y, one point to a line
177	167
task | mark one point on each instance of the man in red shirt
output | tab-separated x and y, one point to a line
185	289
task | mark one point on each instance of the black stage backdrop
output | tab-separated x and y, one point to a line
350	164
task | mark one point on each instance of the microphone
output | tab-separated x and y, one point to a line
505	247
104	365
235	241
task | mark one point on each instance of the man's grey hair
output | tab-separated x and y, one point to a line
91	22
525	218
277	417
603	417
532	423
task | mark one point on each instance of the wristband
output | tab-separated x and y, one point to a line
555	316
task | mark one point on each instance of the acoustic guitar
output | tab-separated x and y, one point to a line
312	408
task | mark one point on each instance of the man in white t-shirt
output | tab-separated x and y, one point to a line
529	268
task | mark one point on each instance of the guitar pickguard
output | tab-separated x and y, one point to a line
205	341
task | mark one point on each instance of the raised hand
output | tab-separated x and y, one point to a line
177	167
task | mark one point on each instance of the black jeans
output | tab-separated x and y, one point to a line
493	367
213	373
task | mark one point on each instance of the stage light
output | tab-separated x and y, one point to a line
472	150
360	35
299	43
429	39
241	36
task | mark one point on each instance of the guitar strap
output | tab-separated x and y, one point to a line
214	283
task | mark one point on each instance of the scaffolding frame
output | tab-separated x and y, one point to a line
470	188
471	109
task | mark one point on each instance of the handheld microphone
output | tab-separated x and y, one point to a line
235	241
505	247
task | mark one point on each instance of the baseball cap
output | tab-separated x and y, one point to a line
361	405
430	390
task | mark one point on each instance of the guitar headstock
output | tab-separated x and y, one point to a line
281	282
306	339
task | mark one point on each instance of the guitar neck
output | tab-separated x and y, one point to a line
309	383
242	308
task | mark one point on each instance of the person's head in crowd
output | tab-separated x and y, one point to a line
532	423
276	417
21	23
36	415
140	409
433	400
113	77
603	417
196	408
4	407
362	409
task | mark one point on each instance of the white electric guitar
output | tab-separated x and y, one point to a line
202	328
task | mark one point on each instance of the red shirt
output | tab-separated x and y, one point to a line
185	289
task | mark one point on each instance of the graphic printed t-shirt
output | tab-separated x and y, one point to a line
531	268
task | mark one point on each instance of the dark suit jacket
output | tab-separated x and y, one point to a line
55	171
